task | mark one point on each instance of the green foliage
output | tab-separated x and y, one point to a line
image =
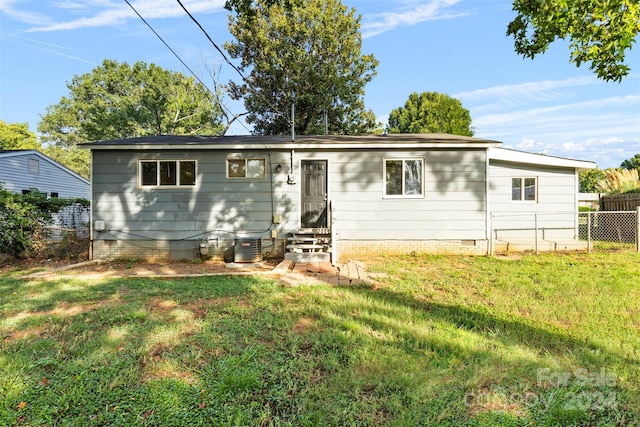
431	112
588	179
434	341
76	159
22	217
117	100
247	7
17	136
601	32
632	163
309	55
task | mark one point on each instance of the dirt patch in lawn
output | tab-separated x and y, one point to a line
100	269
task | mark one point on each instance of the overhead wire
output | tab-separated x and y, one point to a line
244	79
211	41
185	65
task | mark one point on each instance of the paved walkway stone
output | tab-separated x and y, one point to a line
310	273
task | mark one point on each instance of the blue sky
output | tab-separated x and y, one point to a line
455	47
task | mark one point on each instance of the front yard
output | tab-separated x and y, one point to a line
548	340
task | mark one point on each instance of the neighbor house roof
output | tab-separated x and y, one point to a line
16	153
508	155
431	140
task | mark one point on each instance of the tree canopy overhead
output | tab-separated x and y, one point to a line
117	100
600	32
309	55
431	112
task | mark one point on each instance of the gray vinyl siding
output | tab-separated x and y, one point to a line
217	207
50	178
453	206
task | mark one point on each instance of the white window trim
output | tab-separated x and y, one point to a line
246	161
157	161
402	196
522	200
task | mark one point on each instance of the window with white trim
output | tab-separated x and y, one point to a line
524	189
167	173
246	168
404	177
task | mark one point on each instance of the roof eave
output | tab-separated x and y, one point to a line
286	146
508	155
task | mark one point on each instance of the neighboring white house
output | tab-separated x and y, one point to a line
21	170
350	196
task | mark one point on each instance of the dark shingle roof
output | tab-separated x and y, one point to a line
284	141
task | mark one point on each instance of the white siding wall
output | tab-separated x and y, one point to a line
452	207
50	177
553	211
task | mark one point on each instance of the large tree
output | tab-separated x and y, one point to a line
601	32
308	55
117	100
431	112
17	136
588	179
632	163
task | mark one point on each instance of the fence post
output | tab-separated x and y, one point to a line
638	228
491	247
535	218
589	219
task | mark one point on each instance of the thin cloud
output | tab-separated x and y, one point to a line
7	7
519	93
102	13
434	10
50	48
599	110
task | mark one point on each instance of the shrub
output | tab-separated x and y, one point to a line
23	217
619	181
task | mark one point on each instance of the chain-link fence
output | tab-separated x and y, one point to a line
551	232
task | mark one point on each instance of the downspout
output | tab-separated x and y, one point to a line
488	224
291	180
91	205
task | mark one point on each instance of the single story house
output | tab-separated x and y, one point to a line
22	170
339	197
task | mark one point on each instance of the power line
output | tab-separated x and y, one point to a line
211	40
274	107
224	107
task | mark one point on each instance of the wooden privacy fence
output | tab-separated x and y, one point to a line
620	202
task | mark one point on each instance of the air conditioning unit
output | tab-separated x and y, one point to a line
248	250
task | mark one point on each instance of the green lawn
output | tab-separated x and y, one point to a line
548	340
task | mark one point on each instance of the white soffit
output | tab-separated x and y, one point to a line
508	155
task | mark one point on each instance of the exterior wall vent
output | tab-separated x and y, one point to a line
248	250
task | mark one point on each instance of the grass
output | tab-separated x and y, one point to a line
551	340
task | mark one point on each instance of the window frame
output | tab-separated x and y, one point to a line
178	168
403	195
522	198
246	161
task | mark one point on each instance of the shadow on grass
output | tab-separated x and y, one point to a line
241	350
520	370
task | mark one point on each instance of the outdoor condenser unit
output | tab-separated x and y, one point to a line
248	250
